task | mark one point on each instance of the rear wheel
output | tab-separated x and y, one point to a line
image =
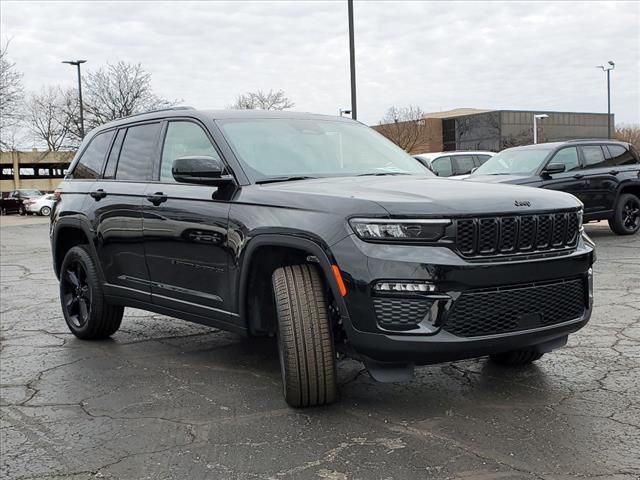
305	344
45	211
626	217
516	358
87	313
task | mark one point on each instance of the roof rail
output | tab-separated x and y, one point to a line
592	140
181	107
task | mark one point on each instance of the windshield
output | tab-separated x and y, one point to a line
514	162
291	147
30	193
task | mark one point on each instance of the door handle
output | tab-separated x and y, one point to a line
578	176
157	198
98	194
613	172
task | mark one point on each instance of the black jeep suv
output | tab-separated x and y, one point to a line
603	174
320	232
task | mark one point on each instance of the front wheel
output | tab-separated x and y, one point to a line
626	217
305	343
87	313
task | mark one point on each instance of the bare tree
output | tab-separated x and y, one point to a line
629	133
405	126
10	98
47	116
263	100
117	91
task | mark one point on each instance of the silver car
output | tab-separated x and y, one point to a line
453	164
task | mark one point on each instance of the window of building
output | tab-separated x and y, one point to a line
619	156
90	164
568	157
442	166
593	156
183	139
136	156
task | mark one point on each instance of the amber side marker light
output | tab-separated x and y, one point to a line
339	281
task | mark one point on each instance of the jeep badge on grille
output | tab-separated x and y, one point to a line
522	203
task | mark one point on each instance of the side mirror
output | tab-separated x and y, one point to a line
201	170
553	168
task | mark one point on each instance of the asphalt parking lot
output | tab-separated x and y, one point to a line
168	399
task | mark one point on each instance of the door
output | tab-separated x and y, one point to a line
185	232
117	210
572	180
601	178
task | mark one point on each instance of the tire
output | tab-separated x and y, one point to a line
85	310
626	216
517	358
305	343
45	211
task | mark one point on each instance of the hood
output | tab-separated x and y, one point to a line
413	195
515	179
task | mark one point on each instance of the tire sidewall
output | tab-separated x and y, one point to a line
45	211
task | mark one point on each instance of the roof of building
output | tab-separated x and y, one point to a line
456	112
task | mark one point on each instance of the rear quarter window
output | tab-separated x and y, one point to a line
618	155
89	165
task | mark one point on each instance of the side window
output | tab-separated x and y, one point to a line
464	164
483	158
90	164
112	161
593	156
136	154
620	156
183	139
442	166
568	157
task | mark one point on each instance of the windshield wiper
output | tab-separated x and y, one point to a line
283	179
379	174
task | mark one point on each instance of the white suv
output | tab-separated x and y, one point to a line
453	164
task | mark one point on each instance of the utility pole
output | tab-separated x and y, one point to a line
352	59
77	63
608	69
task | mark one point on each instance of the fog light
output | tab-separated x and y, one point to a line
404	287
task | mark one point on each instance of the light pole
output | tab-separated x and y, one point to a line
342	111
77	63
352	62
536	117
608	69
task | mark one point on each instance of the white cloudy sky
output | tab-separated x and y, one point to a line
438	55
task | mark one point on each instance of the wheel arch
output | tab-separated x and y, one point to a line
629	187
66	234
256	269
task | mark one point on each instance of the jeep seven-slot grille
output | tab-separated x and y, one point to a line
520	234
506	309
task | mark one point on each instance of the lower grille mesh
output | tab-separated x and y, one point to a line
400	313
510	310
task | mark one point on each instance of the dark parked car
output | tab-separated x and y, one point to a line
603	174
13	202
320	232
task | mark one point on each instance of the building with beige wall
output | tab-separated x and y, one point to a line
33	169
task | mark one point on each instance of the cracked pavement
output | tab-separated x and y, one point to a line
166	399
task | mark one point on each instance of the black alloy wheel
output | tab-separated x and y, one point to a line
76	294
626	218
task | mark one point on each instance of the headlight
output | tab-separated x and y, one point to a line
382	229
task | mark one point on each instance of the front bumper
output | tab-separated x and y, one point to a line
431	340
